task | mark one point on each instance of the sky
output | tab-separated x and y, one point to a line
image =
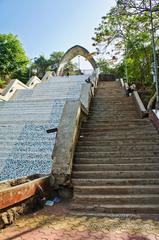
45	26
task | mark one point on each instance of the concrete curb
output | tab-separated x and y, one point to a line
155	120
140	106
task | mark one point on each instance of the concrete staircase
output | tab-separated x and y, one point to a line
25	146
116	163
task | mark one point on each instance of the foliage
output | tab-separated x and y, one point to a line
104	67
42	64
126	30
2	83
12	57
55	59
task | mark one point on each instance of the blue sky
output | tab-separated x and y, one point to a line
44	26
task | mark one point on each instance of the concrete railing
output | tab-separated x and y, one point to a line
33	82
47	75
75	111
141	108
66	140
154	117
15	85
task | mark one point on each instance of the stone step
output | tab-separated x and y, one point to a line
115	182
115	174
119	137
103	102
116	190
108	124
109	95
119	133
115	114
145	125
128	130
117	143
114	125
96	111
117	199
117	154
117	167
108	101
116	160
113	118
120	209
116	148
98	121
105	107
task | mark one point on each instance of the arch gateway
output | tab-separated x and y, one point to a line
72	53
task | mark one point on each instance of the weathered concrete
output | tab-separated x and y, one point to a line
140	105
68	132
66	141
85	97
25	146
15	194
115	150
15	85
155	120
72	53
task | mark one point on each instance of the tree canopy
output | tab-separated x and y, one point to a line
124	35
43	64
12	57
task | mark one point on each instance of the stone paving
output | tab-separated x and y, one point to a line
55	223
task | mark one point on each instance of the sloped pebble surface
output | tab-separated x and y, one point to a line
25	146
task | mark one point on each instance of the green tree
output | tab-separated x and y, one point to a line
41	64
105	67
12	57
128	33
55	59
